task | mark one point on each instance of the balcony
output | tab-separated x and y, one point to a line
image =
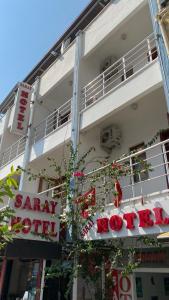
119	72
140	182
12	152
57	119
137	187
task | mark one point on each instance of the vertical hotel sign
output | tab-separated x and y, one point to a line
21	109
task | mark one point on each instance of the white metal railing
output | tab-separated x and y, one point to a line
13	151
56	119
138	57
133	185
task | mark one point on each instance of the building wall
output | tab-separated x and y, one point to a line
153	285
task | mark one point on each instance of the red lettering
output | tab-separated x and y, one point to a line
19	126
22	109
15	221
144	216
102	225
53	232
36	224
125	284
158	212
18	201
26	226
36	205
130	220
24	94
27	204
23	101
166	221
20	117
116	223
46	207
53	204
45	225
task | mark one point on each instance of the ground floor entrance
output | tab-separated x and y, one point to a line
152	285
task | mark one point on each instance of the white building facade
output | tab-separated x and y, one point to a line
100	85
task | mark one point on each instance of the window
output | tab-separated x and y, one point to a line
140	174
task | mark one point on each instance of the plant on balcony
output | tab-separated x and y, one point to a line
88	258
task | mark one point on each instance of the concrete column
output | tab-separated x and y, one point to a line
75	129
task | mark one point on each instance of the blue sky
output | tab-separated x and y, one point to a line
28	29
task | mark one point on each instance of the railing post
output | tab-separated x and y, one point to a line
57	118
124	67
46	124
103	83
140	182
165	162
149	50
132	178
85	95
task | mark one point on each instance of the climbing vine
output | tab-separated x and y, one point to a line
77	193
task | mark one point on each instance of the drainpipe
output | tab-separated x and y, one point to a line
162	51
29	134
160	17
75	128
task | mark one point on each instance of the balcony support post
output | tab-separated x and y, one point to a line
75	112
124	68
29	134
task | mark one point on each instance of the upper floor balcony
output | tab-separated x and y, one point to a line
130	77
147	173
145	185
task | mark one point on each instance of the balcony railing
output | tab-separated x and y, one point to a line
128	65
134	185
56	119
13	151
140	181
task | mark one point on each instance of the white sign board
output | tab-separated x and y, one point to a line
21	109
37	216
129	220
122	286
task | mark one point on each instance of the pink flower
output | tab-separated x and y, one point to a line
78	174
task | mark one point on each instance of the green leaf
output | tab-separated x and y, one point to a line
12	169
14	183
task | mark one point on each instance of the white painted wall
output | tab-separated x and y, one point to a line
9	139
109	20
137	126
59	69
146	80
53	140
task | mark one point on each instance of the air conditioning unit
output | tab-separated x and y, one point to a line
110	138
